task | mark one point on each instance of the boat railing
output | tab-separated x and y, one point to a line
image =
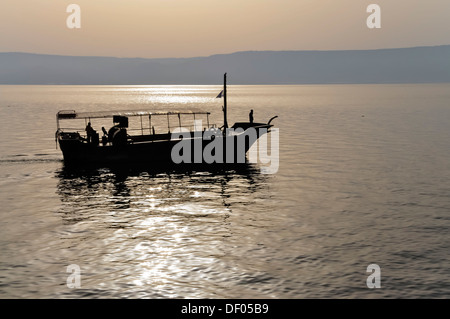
141	134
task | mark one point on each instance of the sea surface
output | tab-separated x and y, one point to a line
363	178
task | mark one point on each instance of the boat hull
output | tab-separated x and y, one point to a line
193	149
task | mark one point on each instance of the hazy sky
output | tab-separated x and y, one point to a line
186	28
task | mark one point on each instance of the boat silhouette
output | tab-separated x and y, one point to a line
197	144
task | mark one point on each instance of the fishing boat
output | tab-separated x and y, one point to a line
203	143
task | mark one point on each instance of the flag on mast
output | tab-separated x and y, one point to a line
220	95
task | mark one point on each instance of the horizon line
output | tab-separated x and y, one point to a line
218	54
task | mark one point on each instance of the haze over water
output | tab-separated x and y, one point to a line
364	178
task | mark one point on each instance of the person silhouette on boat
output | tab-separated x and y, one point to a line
105	136
113	130
250	116
117	135
90	132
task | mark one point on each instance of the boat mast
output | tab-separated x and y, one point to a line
225	122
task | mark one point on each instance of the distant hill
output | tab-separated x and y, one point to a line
406	65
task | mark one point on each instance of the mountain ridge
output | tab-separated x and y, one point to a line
425	64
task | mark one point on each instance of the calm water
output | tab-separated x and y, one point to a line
364	178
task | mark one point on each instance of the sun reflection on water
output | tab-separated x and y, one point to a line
153	231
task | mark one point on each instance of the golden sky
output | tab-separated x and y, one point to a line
187	28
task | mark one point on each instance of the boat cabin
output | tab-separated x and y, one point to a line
121	127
